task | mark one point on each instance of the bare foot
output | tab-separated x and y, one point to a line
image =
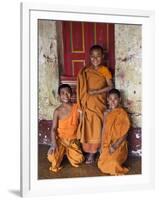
90	158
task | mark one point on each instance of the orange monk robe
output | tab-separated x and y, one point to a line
116	126
92	106
67	142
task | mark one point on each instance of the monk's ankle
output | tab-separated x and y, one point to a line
90	158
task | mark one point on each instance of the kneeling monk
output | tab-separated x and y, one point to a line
114	150
63	132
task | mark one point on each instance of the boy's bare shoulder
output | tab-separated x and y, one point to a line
58	109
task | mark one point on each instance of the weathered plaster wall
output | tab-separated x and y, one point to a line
48	68
128	50
128	68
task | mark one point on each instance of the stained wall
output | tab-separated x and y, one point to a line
128	54
48	68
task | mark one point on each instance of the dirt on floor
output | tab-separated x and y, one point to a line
133	163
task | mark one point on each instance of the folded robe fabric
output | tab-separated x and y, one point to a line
92	106
71	149
67	142
117	125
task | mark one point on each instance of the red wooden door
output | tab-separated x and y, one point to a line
78	37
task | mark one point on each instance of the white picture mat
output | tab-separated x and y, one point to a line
30	185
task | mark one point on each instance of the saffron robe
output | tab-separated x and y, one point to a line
92	106
67	142
117	125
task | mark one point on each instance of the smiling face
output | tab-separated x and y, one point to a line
113	101
96	57
65	95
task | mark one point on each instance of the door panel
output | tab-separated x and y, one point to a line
78	37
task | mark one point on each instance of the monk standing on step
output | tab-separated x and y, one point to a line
93	83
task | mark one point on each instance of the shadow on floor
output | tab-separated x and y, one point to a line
133	163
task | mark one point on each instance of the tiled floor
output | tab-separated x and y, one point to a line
133	163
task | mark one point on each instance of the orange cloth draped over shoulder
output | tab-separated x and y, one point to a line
92	106
67	142
117	125
67	127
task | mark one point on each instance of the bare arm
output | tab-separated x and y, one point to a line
117	143
54	132
105	89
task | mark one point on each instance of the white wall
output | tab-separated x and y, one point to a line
10	87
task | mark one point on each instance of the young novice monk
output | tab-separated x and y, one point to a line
116	125
93	83
63	132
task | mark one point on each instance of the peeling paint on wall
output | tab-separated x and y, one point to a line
48	69
128	68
